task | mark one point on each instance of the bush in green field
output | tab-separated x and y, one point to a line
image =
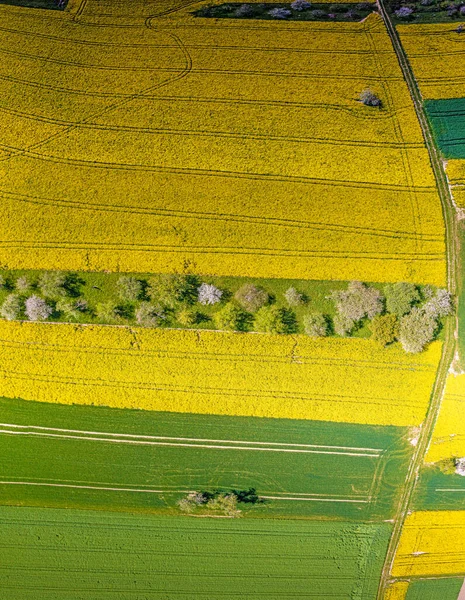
37	309
293	297
225	503
172	289
108	311
417	329
384	329
271	319
400	297
129	288
23	284
12	307
343	326
187	316
315	325
231	318
71	308
51	284
439	305
150	315
251	297
358	301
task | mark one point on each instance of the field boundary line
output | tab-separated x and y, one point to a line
448	348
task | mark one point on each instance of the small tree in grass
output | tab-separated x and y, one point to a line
51	284
416	330
384	329
251	297
231	318
149	314
400	297
279	13
108	312
226	503
271	319
72	309
440	305
129	288
343	326
37	309
293	297
23	284
358	301
172	289
315	325
188	317
300	5
209	294
369	98
12	307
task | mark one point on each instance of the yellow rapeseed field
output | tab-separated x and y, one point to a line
432	543
456	174
232	147
449	433
435	52
295	377
397	591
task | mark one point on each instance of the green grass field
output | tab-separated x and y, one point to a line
435	589
62	456
447	118
49	554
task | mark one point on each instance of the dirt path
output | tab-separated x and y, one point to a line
452	255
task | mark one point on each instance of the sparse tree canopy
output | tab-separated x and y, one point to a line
400	297
51	284
187	316
37	309
369	98
280	13
107	311
23	284
209	294
271	319
416	330
300	5
343	326
149	314
315	325
440	305
358	301
231	318
12	307
129	288
384	329
293	297
251	297
172	289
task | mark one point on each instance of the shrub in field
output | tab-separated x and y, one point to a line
37	309
171	289
150	315
300	5
351	15
400	297
244	10
72	309
417	329
251	297
318	14
51	284
358	301
384	329
231	318
271	319
226	503
293	297
440	305
188	317
369	98
343	326
108	311
129	288
404	12
315	325
23	284
279	13
209	294
12	307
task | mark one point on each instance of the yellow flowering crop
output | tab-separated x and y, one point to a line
449	433
220	146
456	174
435	52
432	543
397	591
352	380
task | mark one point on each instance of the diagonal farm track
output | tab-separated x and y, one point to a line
452	254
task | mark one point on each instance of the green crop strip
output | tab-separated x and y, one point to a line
435	589
92	457
447	118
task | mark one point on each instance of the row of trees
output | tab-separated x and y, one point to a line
219	501
402	311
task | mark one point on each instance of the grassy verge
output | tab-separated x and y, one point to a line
427	11
100	288
303	11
